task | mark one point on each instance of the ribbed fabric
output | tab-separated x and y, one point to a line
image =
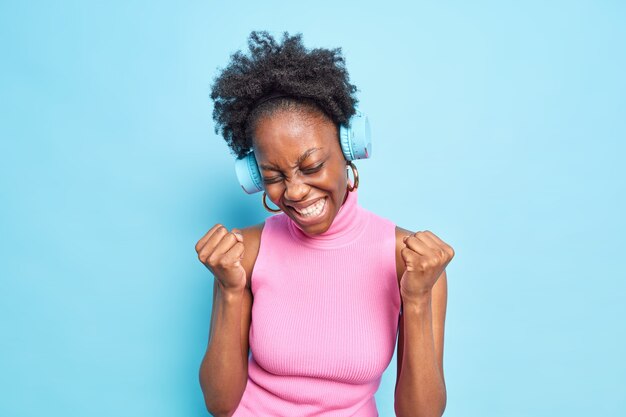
324	317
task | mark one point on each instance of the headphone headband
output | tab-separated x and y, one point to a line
270	96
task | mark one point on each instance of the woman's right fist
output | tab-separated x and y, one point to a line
222	251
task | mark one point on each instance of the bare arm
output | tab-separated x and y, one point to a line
224	368
420	387
420	384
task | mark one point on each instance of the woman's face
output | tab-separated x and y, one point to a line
302	166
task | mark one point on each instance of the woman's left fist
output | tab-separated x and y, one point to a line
425	257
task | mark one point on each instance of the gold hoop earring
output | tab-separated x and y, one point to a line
271	210
355	174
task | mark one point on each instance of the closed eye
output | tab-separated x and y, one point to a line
313	170
307	171
271	180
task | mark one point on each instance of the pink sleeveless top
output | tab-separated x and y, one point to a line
324	317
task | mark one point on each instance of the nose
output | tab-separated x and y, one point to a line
296	190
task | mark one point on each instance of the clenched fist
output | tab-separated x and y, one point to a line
425	257
222	251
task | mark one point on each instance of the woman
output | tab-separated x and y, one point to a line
320	291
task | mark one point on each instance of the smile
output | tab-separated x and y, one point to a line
313	212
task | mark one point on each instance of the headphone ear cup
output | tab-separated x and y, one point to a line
248	174
356	138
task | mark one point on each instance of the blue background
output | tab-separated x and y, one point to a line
498	126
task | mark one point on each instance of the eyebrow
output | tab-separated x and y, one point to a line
302	157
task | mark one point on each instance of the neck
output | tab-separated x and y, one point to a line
348	222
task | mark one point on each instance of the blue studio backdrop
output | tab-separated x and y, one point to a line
499	126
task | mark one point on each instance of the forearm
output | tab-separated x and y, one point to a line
223	372
421	388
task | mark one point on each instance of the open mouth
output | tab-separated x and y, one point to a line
312	213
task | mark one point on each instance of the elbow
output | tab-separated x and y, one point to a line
215	413
435	408
418	413
221	404
217	409
221	398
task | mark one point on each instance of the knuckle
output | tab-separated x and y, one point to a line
213	260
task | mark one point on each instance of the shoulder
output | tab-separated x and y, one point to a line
400	234
253	232
252	241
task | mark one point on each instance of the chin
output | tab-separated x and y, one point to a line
312	229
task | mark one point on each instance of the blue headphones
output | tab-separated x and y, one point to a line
356	143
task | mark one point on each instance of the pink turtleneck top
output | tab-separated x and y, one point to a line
324	317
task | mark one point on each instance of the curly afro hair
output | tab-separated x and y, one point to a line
313	81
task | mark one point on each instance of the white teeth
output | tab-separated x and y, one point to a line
313	209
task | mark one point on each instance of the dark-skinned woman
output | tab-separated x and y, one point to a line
308	304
